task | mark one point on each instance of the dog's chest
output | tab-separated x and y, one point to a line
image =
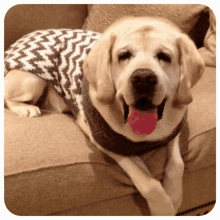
57	56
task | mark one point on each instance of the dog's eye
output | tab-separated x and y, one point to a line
164	57
125	55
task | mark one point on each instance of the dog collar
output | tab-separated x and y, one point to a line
112	141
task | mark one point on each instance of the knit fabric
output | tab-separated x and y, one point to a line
57	57
112	141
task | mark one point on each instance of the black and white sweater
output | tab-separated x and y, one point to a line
56	56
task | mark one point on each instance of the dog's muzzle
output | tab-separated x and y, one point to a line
144	82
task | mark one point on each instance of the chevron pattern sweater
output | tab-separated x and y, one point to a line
56	56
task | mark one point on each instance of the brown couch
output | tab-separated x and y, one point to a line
51	168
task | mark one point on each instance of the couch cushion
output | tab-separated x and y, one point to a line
208	51
51	167
22	19
184	15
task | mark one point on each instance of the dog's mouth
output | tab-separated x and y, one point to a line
144	107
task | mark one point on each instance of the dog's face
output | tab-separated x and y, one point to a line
145	64
145	69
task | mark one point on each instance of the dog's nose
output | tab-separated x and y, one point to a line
143	80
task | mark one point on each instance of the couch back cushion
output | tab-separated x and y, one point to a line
184	15
208	51
23	19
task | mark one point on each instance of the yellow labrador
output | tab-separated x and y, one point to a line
131	96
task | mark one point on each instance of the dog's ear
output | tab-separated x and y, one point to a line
191	68
97	68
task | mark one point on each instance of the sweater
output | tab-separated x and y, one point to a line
55	55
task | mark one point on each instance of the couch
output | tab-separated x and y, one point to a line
50	166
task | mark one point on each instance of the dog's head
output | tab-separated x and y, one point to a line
142	63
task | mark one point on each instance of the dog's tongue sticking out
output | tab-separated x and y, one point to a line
142	124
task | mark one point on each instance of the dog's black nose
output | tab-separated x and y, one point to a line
143	80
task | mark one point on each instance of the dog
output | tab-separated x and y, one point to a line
127	89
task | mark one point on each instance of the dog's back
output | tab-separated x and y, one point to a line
55	56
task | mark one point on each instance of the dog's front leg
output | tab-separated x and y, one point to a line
151	189
173	175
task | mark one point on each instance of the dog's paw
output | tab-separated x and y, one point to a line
27	111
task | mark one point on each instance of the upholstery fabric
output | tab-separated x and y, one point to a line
52	168
208	51
23	19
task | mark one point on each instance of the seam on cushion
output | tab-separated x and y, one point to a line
195	136
196	208
104	200
211	32
61	166
186	171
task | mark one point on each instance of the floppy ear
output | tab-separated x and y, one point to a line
191	68
97	70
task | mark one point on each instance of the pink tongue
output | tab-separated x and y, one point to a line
142	124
